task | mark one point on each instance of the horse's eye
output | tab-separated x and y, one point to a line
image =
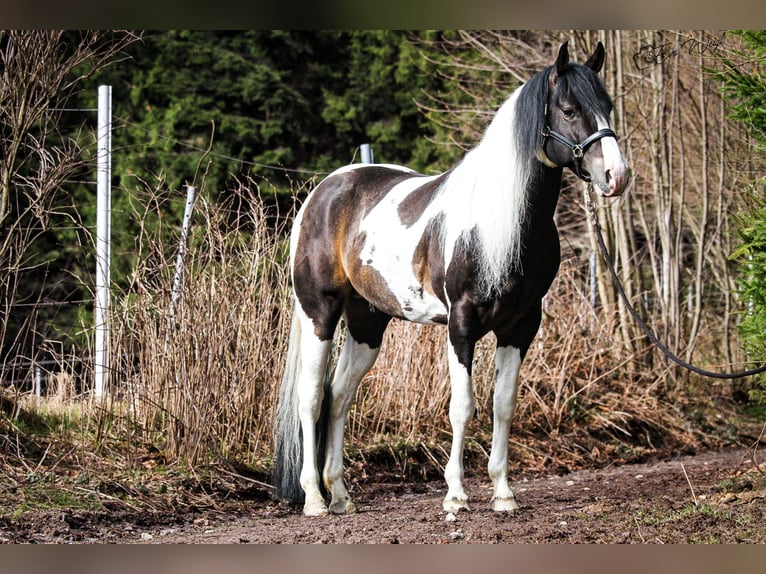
569	113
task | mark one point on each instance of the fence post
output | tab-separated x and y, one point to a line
38	384
103	216
366	153
191	194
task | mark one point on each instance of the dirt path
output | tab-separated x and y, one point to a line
712	497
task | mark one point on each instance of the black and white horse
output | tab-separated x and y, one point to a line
474	248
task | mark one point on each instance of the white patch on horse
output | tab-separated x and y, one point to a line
389	248
356	166
488	191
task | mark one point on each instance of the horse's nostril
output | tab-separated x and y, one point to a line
608	176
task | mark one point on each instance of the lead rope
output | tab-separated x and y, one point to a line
591	208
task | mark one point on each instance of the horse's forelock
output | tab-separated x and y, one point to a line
584	85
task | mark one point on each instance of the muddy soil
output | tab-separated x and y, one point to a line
714	497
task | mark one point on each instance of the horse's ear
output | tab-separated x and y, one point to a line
562	60
596	61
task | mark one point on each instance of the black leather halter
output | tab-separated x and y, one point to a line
578	149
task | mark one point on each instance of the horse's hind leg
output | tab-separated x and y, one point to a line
364	332
314	353
354	362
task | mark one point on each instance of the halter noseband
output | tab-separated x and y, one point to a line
578	150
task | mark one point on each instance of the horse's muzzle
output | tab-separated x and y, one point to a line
616	179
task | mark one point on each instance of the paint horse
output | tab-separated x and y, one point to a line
474	248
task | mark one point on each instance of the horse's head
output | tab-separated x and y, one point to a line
577	132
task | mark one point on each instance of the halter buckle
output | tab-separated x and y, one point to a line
545	133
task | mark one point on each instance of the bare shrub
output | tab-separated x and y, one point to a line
206	383
61	387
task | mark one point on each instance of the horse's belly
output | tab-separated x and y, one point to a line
422	307
396	291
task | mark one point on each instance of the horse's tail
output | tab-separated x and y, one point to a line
288	444
288	439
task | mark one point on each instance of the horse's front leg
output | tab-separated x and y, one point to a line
507	364
461	408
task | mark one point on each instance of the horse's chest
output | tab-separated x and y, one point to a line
525	291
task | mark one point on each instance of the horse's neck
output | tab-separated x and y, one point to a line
490	182
543	189
486	198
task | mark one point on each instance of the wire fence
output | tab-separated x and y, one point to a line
39	371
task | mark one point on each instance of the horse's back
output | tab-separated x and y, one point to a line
368	230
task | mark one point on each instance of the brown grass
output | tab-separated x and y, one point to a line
206	387
205	384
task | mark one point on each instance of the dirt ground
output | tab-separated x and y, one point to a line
713	497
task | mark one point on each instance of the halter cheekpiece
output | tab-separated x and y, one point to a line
578	149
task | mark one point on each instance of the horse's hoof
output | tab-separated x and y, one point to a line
343	507
455	505
315	510
504	504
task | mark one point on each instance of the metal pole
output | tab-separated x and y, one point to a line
103	216
366	153
191	194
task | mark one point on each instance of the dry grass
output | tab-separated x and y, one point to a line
206	382
203	388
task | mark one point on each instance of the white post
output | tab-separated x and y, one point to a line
178	277
366	153
103	216
38	384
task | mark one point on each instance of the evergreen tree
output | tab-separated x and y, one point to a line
747	87
285	104
283	107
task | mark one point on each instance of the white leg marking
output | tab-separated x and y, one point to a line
314	354
461	408
507	363
355	360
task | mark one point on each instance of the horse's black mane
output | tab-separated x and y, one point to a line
530	111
